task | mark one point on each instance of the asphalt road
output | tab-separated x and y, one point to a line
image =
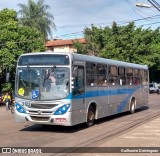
14	134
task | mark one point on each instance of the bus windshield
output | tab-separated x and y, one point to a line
42	83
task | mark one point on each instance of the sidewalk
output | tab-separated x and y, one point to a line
146	135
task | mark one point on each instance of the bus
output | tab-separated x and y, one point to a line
69	88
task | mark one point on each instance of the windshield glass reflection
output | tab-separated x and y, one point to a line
43	83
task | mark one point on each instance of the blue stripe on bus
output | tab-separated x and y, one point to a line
97	93
123	103
125	100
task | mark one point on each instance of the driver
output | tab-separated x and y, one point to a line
52	78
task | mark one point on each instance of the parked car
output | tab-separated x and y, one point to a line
158	91
154	88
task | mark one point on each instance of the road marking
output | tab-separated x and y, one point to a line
137	137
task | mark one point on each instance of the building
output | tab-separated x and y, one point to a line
63	45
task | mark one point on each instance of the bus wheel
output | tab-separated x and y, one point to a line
133	106
90	117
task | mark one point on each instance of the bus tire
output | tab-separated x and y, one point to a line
133	106
90	116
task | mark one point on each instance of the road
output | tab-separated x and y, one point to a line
14	134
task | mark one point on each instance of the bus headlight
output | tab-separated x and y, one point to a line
62	110
19	108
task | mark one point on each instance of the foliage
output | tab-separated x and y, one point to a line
35	15
126	43
7	87
15	40
81	48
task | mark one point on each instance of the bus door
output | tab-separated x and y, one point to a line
78	94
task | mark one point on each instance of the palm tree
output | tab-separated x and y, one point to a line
35	15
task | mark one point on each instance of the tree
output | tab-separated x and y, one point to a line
125	43
35	15
15	40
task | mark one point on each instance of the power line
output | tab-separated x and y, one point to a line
141	19
81	32
153	3
140	10
156	3
128	2
72	34
84	25
150	23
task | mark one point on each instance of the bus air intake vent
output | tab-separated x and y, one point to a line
37	118
43	106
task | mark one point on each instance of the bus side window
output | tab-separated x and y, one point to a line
112	73
129	81
113	80
145	78
101	75
129	74
122	75
91	74
137	81
78	80
137	77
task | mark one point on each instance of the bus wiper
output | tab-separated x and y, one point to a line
23	83
46	77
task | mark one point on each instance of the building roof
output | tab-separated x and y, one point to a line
54	43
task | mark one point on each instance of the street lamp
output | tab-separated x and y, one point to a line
155	5
142	5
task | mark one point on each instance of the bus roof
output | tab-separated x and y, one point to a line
88	58
95	59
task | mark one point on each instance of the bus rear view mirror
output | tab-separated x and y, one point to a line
75	71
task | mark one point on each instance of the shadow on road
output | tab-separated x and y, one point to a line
120	115
54	128
79	127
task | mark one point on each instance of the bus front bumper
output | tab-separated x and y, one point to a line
64	120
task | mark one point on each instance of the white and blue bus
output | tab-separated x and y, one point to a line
67	89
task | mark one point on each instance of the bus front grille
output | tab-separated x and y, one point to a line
42	112
42	106
39	118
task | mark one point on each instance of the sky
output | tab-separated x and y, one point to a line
72	16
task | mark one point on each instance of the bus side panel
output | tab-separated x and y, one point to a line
99	96
78	109
113	100
144	95
118	99
138	95
141	95
120	105
108	100
102	102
